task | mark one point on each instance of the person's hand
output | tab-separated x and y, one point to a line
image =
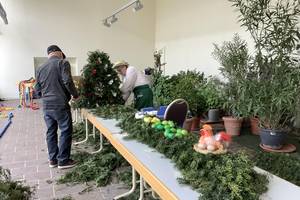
75	98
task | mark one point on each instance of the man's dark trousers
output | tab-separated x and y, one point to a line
62	119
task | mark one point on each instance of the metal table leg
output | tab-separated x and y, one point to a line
86	133
94	131
133	186
141	188
74	112
149	189
101	145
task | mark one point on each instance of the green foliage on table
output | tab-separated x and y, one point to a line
12	190
274	29
285	166
100	83
228	176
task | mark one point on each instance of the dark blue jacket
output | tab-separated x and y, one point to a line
54	84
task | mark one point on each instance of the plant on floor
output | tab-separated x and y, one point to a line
93	167
216	177
235	68
274	29
212	92
186	85
12	190
237	71
100	82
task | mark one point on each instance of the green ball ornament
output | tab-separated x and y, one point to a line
164	122
184	132
170	136
171	124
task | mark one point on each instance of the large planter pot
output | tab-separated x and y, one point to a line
187	125
254	125
233	125
195	124
273	139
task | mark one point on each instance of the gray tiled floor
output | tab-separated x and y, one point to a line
23	150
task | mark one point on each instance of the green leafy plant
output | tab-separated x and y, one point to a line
183	85
186	85
235	67
213	94
274	29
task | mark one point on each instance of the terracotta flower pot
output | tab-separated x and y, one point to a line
254	125
187	125
195	124
233	125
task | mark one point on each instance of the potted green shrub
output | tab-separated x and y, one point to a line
274	29
234	59
186	85
212	93
183	85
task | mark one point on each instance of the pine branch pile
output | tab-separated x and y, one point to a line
12	190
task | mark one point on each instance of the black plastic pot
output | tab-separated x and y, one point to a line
273	139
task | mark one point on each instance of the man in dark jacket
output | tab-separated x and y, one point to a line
55	85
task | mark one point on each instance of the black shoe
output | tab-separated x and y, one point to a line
53	163
69	164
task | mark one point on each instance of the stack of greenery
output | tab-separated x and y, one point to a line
100	82
12	190
229	176
99	167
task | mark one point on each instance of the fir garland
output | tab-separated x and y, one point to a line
229	176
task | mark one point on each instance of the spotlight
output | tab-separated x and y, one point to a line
106	23
138	6
113	19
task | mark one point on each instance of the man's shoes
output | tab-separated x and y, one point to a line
69	164
53	163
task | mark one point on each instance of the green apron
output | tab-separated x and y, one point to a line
143	97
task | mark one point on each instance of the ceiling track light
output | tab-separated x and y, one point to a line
113	19
138	6
108	21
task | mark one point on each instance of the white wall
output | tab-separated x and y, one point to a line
188	29
74	25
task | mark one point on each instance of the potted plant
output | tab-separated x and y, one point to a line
234	59
183	85
186	85
274	29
